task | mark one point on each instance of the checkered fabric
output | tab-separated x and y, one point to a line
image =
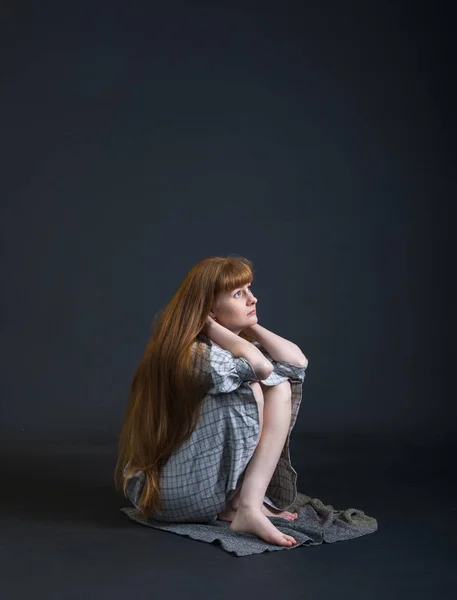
202	475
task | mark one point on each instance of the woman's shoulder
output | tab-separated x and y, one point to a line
201	337
202	346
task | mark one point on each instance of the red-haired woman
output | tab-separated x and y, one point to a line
211	408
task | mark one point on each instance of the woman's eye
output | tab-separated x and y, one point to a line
239	292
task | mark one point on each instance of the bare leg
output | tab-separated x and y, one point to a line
229	512
276	421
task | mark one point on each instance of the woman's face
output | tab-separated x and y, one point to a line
231	309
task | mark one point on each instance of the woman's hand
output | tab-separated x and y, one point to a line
208	322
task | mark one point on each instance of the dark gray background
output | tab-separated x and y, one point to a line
318	140
315	140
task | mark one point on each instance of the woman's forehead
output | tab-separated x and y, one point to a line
241	287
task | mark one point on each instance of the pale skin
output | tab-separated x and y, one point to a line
246	511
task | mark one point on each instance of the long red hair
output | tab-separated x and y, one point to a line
165	397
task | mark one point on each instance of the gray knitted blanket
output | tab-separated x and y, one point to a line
316	523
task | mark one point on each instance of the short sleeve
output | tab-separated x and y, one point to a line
228	372
282	371
223	371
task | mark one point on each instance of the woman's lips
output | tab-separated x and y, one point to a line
252	312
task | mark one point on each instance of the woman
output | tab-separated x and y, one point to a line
211	408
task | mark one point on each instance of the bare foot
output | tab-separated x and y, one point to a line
284	514
228	514
252	520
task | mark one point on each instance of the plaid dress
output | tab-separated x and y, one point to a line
202	475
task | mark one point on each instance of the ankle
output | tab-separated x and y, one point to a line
248	505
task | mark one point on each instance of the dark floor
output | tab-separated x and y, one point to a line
63	536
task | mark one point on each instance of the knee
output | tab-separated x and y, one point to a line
283	389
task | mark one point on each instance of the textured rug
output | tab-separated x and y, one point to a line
316	523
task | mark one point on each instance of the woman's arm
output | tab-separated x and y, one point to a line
279	348
239	347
